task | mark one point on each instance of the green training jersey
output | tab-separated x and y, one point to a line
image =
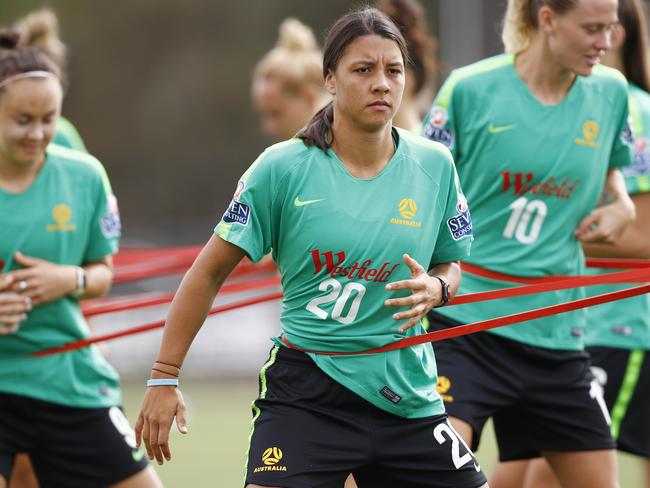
65	217
66	135
625	324
531	173
338	240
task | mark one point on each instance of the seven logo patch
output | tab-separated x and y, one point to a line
237	213
110	223
460	225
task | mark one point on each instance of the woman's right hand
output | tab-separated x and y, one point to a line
13	306
159	407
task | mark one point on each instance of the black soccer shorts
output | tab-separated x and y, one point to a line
69	447
309	431
539	399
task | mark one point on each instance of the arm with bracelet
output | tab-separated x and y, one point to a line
163	400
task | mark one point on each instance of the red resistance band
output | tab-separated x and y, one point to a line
631	276
133	264
138	263
484	325
104	305
79	344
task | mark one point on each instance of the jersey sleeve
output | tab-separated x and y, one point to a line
246	223
105	225
455	234
622	150
440	123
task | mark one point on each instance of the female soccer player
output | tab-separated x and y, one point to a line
347	211
421	72
618	333
57	233
537	134
287	86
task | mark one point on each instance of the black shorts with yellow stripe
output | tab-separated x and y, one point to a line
309	431
625	377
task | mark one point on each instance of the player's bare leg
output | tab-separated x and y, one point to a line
22	476
510	474
586	469
463	429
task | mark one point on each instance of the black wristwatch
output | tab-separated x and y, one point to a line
445	292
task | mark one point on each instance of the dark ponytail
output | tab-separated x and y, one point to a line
9	38
363	22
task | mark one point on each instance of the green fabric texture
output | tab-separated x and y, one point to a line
65	217
531	173
338	240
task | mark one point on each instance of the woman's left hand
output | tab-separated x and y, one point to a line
41	280
605	224
426	294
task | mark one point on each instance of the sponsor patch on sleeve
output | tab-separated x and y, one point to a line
237	213
460	225
110	223
641	164
439	134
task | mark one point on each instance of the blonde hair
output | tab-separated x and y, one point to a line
295	60
40	29
520	21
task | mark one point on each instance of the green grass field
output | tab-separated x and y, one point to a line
213	453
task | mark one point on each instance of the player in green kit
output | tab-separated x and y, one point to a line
537	134
58	230
40	29
618	333
339	206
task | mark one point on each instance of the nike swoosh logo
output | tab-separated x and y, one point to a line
137	455
503	128
300	203
477	467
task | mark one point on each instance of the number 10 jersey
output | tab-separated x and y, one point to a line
531	172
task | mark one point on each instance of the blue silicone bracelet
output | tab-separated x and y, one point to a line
163	382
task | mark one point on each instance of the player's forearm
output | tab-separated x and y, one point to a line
451	273
99	276
616	191
194	298
187	314
634	243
